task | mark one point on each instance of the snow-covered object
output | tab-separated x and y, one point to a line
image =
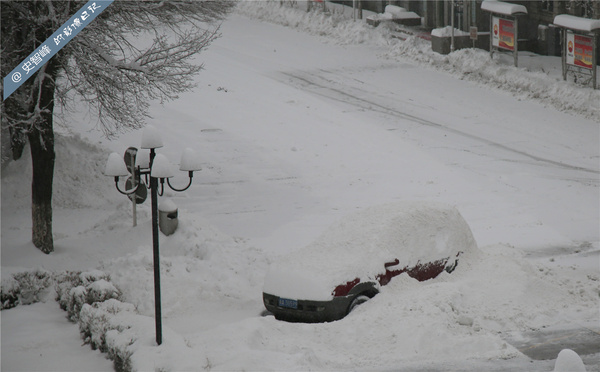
359	245
189	161
142	159
447	31
577	23
569	361
151	138
161	167
501	7
394	10
115	166
167	205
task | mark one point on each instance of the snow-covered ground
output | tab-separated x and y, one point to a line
300	119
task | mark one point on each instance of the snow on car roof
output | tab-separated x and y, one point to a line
359	245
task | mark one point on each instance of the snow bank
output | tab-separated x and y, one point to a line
332	27
360	244
197	261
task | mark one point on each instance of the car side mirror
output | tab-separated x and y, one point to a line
392	263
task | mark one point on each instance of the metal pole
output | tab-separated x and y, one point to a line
157	308
452	25
491	35
594	61
516	51
564	52
134	202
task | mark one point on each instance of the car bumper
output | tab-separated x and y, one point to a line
307	311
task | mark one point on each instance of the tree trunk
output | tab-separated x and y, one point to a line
41	141
42	157
17	142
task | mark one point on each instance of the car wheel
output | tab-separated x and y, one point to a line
359	299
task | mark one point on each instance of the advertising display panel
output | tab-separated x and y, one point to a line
580	49
503	33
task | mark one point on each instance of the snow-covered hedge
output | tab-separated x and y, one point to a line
102	327
75	289
91	300
24	288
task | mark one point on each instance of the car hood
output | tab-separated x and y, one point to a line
359	245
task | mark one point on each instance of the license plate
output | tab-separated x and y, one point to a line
286	302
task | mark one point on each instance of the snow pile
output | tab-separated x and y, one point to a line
568	361
197	261
333	27
360	245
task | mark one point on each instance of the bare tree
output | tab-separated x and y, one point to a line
134	53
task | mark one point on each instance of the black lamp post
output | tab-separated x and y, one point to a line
158	169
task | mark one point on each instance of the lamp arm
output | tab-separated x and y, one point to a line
190	174
162	186
126	192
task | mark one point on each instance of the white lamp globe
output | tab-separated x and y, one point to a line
189	161
115	166
151	138
161	167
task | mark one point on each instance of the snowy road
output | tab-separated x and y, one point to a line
518	152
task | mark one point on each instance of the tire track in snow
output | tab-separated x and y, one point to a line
326	90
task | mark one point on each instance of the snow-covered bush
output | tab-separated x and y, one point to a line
103	328
25	288
75	289
9	293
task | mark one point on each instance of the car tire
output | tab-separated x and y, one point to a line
356	301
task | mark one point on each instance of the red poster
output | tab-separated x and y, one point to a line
583	51
506	34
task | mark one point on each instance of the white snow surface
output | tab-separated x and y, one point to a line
302	118
568	361
577	23
359	245
502	7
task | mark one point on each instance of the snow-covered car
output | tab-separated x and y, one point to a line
349	263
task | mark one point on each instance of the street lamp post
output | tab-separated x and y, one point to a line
158	170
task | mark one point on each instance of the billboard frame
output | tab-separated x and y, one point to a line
573	29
